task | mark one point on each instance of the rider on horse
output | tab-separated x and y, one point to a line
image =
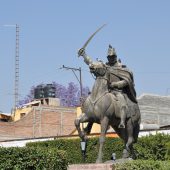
121	82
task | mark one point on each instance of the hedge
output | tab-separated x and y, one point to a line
152	147
31	158
73	149
152	151
143	165
167	156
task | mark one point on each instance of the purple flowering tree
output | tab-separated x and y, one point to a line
69	96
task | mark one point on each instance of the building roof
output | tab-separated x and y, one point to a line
32	103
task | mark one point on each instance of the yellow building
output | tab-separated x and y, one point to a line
20	112
4	117
96	128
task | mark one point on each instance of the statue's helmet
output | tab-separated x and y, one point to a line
111	52
111	55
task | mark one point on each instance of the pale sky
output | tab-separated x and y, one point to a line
51	32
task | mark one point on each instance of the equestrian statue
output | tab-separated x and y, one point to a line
112	102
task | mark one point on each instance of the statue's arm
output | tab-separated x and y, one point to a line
87	59
120	84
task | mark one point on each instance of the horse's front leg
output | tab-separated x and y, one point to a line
104	126
88	128
81	119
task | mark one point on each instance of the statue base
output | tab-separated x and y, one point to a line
100	166
108	165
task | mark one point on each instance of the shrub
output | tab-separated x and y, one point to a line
32	158
143	165
167	156
152	147
71	146
73	149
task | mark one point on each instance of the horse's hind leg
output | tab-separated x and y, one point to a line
81	119
130	140
104	126
122	133
135	137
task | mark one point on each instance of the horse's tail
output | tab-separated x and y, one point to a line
136	120
136	130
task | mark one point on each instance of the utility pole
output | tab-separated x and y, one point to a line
79	80
80	76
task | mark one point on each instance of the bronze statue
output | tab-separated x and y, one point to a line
112	102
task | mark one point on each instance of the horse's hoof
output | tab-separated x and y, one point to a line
134	157
99	161
121	126
125	154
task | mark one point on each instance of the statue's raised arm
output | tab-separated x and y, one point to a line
87	59
82	52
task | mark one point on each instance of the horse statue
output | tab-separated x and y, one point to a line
102	107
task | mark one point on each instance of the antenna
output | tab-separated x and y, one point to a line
16	86
16	83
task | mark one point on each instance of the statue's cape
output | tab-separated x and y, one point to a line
125	74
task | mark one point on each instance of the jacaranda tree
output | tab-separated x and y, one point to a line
69	95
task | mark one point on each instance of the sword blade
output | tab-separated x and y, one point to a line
84	46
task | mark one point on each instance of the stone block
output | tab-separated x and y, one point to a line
101	166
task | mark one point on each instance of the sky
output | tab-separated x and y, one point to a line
52	31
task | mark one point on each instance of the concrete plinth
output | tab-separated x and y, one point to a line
101	166
108	165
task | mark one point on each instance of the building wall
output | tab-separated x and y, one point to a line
45	121
40	122
155	109
19	112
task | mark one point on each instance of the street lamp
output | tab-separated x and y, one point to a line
83	144
113	156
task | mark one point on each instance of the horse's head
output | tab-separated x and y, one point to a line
98	68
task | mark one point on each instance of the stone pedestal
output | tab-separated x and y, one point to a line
108	165
101	166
